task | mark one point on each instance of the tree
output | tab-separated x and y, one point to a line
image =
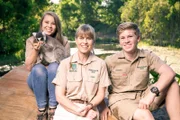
13	16
110	13
76	12
157	19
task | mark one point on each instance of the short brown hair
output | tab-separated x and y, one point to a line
87	30
127	25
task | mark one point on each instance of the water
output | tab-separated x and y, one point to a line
5	69
99	49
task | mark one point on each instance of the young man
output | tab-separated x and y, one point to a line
131	97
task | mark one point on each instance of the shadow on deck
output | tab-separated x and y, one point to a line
17	102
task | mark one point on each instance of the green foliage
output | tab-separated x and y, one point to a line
107	40
178	78
155	77
103	56
157	19
12	26
76	12
172	2
10	60
109	13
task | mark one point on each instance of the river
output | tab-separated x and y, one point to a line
98	50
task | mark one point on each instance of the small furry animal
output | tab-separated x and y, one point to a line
40	36
51	50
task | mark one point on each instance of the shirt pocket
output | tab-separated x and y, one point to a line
92	84
141	76
93	77
74	82
119	78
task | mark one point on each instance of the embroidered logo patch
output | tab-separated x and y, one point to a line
118	69
142	67
93	71
73	67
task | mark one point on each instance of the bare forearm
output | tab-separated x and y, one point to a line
99	97
68	105
162	84
166	77
70	109
31	60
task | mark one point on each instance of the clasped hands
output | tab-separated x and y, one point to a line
87	112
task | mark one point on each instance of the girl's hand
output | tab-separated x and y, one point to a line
37	45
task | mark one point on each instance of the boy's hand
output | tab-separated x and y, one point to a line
105	113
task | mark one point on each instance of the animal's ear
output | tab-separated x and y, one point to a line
44	36
34	34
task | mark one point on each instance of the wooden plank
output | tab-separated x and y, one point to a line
17	102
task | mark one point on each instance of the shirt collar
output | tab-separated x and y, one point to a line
75	58
139	55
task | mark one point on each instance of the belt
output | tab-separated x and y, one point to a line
79	101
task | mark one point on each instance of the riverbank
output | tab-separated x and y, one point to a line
170	55
5	69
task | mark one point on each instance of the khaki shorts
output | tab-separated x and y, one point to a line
124	109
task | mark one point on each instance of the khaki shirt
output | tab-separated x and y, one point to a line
128	77
82	81
51	51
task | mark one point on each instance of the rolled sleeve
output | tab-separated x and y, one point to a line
104	78
61	75
155	62
29	46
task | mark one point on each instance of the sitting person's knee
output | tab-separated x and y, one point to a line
143	114
175	84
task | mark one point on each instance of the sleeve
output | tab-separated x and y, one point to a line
60	78
29	47
67	47
108	61
104	78
154	62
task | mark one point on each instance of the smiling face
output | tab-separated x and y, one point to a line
128	40
85	38
48	25
84	43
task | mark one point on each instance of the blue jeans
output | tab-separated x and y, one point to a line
40	80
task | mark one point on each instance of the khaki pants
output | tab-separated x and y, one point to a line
62	114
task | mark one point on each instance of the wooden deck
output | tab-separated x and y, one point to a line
17	101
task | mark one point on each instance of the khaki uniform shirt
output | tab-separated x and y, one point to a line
82	81
129	77
51	51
